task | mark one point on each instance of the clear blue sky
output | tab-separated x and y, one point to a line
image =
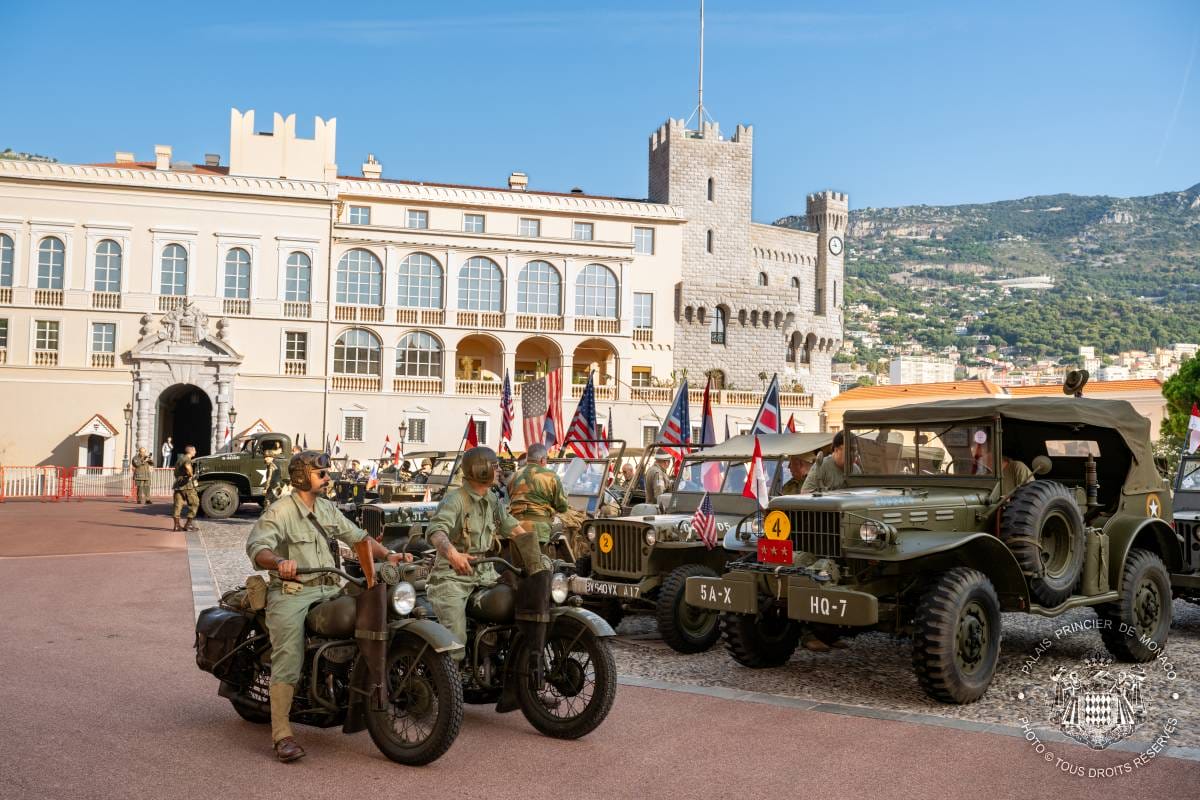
893	102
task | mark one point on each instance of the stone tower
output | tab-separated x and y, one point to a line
828	214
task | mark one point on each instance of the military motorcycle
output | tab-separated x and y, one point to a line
370	662
578	681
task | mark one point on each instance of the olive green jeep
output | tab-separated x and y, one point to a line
941	526
640	562
226	480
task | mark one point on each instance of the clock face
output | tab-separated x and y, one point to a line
835	245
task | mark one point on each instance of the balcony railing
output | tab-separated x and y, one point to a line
477	388
538	322
643	334
295	367
104	360
795	400
297	310
107	300
47	297
6	294
417	385
170	302
601	392
420	316
726	397
240	307
356	383
358	313
479	319
45	358
597	325
652	394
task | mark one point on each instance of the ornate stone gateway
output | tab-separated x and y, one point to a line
180	350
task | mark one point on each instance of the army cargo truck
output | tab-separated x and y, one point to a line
226	480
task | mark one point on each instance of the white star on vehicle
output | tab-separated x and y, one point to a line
1153	507
263	473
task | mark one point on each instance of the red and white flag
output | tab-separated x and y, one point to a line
756	487
387	446
227	442
704	523
791	426
1194	430
471	435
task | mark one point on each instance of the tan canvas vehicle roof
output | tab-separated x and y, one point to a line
774	445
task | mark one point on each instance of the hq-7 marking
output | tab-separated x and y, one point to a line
716	594
823	606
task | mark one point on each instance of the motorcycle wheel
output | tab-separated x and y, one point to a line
425	711
580	683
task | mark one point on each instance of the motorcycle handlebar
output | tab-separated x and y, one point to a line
498	560
331	571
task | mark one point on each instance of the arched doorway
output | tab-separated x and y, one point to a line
185	414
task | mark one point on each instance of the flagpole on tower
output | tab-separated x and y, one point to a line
700	98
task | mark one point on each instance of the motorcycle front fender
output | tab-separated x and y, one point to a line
439	639
590	620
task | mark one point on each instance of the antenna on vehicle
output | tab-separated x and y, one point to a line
1074	382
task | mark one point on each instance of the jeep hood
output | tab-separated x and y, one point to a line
874	499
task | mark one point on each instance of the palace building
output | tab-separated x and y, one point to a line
272	288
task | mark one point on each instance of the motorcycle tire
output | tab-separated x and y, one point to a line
250	714
429	702
567	679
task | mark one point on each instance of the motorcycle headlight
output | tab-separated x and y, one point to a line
558	588
871	532
404	598
591	535
651	537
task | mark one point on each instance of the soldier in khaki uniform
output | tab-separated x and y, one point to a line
656	476
799	466
829	474
142	465
185	490
292	534
536	493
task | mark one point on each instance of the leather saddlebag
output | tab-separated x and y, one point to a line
218	633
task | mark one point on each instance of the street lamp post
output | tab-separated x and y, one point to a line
128	422
403	431
232	420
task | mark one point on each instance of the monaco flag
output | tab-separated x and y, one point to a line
756	481
1194	430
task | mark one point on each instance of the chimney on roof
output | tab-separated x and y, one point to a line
576	190
372	169
518	181
162	156
124	157
212	159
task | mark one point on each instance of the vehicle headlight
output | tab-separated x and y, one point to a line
404	598
871	532
591	534
558	588
750	526
651	537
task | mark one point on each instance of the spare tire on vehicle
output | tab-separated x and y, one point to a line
1043	528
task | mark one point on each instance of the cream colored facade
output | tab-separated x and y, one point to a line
209	312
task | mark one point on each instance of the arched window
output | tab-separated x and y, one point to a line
716	328
356	352
708	241
174	270
298	281
359	278
420	282
712	189
6	260
480	285
237	274
796	286
762	279
539	289
596	292
107	275
806	351
418	355
51	262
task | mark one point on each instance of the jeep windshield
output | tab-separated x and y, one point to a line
954	450
1189	474
729	477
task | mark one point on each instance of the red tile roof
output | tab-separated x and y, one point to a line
150	165
489	188
1094	387
919	391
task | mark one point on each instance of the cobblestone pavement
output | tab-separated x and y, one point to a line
875	670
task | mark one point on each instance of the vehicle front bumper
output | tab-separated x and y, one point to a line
807	601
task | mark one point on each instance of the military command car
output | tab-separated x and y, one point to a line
924	542
641	562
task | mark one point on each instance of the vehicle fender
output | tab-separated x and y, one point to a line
980	551
432	633
1127	532
590	620
236	478
733	543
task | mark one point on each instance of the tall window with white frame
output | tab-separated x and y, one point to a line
643	310
237	274
418	355
295	353
107	275
472	223
416	219
104	344
360	215
352	429
51	263
173	277
529	226
45	342
415	433
6	261
480	285
357	352
643	241
3	340
539	290
419	282
596	292
297	283
359	278
583	231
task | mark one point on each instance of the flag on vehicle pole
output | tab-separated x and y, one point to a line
428	498
604	434
677	426
373	476
767	420
541	409
337	446
710	472
704	523
583	424
756	481
327	450
387	446
227	442
471	436
791	426
1194	430
727	427
506	411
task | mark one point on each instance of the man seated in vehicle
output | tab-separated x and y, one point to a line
829	474
536	493
1013	473
657	476
626	477
799	466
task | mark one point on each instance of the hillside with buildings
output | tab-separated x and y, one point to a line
1016	291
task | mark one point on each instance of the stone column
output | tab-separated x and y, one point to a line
144	418
221	414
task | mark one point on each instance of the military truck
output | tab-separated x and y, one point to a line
931	539
226	480
1187	524
640	562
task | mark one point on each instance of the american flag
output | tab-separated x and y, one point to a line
677	427
541	403
583	424
506	410
604	434
767	420
705	524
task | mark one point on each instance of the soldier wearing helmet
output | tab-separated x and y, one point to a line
294	533
536	493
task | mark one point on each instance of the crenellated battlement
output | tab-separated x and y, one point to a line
281	153
827	197
709	132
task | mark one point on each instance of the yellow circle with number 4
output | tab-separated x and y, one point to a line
606	543
777	526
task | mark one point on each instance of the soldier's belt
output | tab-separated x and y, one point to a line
530	516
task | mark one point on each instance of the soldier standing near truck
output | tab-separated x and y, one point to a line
142	464
185	490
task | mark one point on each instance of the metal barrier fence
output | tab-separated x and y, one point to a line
86	482
38	483
56	483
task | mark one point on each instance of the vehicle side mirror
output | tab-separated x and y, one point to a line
1041	465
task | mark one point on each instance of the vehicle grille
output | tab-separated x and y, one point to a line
817	532
372	520
625	558
1190	531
